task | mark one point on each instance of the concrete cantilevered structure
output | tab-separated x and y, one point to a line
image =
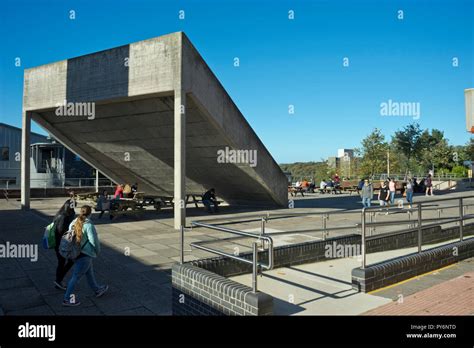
160	118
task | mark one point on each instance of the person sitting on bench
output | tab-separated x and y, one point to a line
118	192
134	189
103	203
208	199
322	186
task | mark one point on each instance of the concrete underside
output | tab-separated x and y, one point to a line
132	137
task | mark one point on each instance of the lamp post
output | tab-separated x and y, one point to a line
388	163
469	103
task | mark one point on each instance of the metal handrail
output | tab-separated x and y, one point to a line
255	245
462	217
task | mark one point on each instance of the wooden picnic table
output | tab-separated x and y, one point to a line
294	190
351	189
125	206
91	196
330	189
168	201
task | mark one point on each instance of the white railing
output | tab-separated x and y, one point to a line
57	182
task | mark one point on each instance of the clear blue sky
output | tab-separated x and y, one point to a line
282	61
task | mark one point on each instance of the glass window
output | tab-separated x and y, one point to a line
4	154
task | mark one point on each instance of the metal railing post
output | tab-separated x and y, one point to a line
254	266
363	238
461	221
419	228
181	241
262	226
324	218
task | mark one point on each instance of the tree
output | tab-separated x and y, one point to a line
373	153
469	148
407	141
435	151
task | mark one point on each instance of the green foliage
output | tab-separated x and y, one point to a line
373	152
408	142
411	150
460	171
307	170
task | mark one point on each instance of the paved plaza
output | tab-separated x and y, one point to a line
138	252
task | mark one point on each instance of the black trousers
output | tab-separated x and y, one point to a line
63	267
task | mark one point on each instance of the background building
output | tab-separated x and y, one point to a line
50	162
346	159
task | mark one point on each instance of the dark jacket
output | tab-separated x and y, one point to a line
209	196
62	220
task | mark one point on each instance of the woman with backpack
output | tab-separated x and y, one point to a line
63	218
89	245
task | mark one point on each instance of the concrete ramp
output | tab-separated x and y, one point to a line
160	118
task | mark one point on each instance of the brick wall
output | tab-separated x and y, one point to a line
197	291
401	268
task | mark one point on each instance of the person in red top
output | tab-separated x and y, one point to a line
118	192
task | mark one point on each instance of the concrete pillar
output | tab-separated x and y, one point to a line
25	160
179	158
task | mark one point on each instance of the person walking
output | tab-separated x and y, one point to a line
392	186
409	192
384	195
86	237
62	219
429	185
367	193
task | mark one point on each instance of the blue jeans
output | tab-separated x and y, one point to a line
366	201
410	197
82	265
392	197
208	204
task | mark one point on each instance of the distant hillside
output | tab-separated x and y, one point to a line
298	170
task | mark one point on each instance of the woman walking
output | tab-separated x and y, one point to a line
392	188
63	218
86	237
429	185
409	192
367	193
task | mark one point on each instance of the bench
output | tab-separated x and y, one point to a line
330	190
294	190
125	206
351	189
